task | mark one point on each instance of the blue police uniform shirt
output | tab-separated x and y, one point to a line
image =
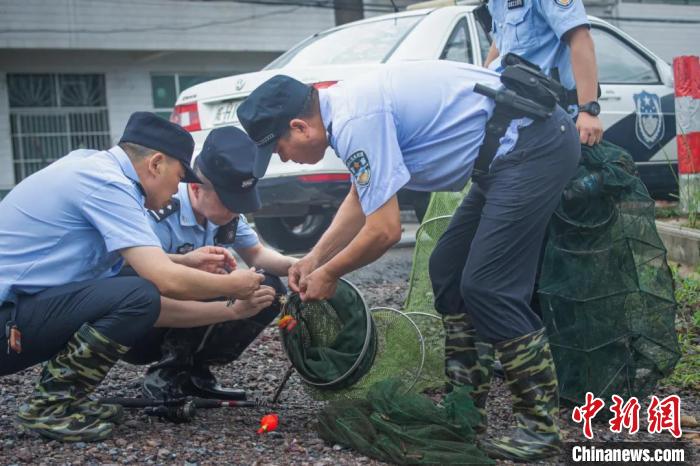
67	222
417	125
534	29
180	233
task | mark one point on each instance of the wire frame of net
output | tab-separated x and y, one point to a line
400	354
607	297
437	217
318	326
433	374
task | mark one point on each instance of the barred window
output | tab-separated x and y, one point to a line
53	114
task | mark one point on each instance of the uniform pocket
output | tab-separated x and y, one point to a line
518	30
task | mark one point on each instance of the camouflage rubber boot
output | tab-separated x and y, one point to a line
532	380
468	361
60	408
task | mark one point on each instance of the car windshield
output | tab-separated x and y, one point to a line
364	43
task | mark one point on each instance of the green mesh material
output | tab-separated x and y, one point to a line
330	347
400	428
400	354
420	300
606	289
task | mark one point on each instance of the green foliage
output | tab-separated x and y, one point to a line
668	212
687	372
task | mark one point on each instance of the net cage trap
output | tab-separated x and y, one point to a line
606	294
340	347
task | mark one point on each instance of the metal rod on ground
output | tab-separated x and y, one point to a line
281	386
204	403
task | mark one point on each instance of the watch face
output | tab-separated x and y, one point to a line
592	108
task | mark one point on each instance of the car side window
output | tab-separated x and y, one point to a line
459	46
484	41
619	63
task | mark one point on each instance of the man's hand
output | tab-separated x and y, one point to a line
244	283
261	299
590	129
300	270
211	259
319	284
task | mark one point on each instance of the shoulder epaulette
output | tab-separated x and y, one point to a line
161	214
227	233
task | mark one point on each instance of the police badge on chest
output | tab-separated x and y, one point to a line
513	4
185	248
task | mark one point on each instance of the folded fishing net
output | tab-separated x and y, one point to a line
405	428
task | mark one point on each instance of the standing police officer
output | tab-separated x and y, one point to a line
207	214
553	34
65	232
393	131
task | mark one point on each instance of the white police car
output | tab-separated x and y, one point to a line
300	200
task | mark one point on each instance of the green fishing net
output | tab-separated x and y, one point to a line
405	428
606	290
330	343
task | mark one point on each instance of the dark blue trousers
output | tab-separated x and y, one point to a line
121	308
486	262
224	342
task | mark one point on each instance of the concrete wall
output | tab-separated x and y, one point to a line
156	25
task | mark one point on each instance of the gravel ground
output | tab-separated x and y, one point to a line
229	436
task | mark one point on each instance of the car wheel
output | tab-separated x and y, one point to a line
293	234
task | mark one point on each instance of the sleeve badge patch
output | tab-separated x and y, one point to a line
564	3
358	164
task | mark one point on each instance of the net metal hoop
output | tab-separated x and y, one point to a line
363	352
420	339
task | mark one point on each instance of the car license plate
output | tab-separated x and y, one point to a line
225	113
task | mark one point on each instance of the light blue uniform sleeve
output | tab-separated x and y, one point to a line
245	235
118	216
562	15
163	232
370	149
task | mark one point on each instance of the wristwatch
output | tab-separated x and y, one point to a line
592	108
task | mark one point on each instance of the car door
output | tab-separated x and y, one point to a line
637	108
460	43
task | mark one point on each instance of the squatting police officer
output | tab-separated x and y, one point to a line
201	215
555	35
393	131
65	232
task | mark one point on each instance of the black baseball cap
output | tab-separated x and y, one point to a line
265	114
227	160
149	130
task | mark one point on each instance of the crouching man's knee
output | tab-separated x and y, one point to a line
134	314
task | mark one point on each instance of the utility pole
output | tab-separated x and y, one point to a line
347	11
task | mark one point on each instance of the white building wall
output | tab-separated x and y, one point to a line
127	80
156	25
